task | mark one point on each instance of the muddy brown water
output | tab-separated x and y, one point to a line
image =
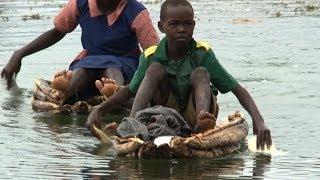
271	47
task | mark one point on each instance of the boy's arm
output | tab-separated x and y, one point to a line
65	22
124	93
259	127
43	41
145	31
222	80
117	98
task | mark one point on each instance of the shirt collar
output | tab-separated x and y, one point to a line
161	52
94	11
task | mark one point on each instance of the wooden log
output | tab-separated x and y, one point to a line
46	106
81	107
147	150
45	87
181	149
230	149
215	152
227	133
39	95
120	140
224	137
222	140
96	100
131	146
102	136
233	120
44	92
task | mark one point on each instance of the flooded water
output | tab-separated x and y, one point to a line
271	47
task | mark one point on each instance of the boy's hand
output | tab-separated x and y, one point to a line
263	136
94	118
12	68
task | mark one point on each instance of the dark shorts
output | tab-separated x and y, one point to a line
127	66
96	64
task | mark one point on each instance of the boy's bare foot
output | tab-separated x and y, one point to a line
61	80
205	121
107	86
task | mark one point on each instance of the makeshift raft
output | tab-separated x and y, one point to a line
47	99
223	140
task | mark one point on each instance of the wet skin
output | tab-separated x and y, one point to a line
107	6
111	78
80	78
178	25
46	40
75	81
13	66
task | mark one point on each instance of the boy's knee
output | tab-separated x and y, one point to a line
112	70
80	71
200	73
156	70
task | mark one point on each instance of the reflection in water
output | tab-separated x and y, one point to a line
59	123
12	108
14	101
71	123
261	164
198	168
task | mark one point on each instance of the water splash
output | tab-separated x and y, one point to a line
274	151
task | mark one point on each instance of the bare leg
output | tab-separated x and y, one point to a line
115	74
61	80
201	94
110	81
81	78
106	86
154	84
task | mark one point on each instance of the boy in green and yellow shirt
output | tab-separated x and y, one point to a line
183	74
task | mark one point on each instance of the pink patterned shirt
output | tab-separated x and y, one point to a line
66	21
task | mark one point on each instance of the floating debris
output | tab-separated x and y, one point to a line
278	14
61	5
47	99
311	7
245	21
300	2
31	17
151	1
4	18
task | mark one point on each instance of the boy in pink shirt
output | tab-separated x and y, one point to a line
112	31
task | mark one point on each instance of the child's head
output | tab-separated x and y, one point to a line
107	5
177	22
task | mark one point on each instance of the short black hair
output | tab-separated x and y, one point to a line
172	3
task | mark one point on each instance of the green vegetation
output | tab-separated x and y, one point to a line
311	7
278	14
61	5
4	18
31	17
